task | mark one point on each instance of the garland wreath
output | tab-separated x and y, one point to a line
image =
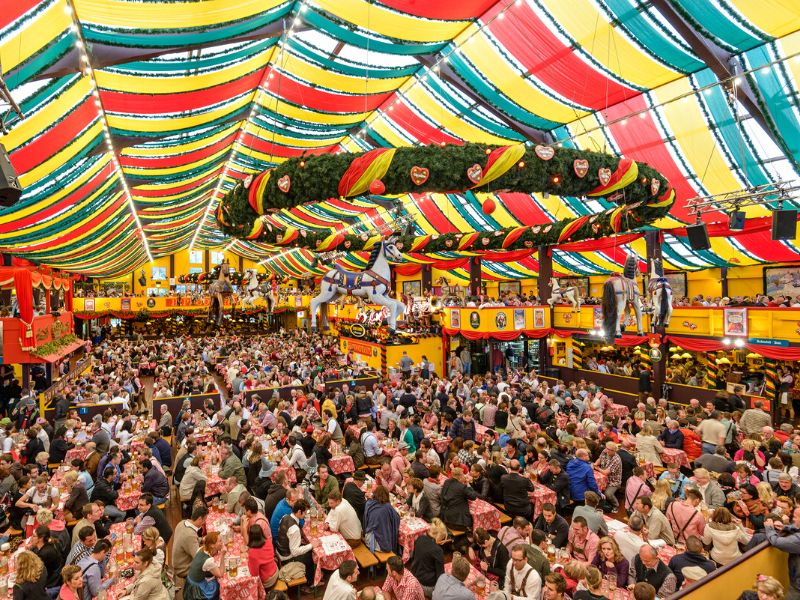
641	193
235	278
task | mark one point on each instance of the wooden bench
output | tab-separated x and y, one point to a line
456	532
365	558
505	519
284	586
384	557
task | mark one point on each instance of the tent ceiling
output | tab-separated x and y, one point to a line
180	100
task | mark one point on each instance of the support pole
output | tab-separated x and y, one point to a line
653	239
723	281
474	275
427	279
545	274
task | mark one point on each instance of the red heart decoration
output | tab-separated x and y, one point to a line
284	183
604	175
581	167
488	206
377	187
475	173
419	175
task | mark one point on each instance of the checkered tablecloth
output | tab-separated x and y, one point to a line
341	464
484	515
540	495
324	558
410	529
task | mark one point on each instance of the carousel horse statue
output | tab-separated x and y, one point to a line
450	293
252	290
660	294
569	294
619	293
374	284
217	290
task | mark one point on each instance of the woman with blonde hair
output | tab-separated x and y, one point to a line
31	578
609	559
766	495
152	540
766	588
662	495
593	581
648	446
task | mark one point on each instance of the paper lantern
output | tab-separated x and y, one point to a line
377	187
488	206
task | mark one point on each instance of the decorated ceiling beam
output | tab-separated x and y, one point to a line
642	194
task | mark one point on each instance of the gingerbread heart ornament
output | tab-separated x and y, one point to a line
544	152
655	184
604	175
419	175
284	183
581	167
475	173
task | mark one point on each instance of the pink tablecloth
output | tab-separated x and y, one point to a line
214	485
619	410
244	586
540	495
324	559
484	515
78	452
673	455
341	464
291	476
128	499
601	479
470	582
410	529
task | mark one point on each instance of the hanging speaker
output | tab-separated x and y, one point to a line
10	189
784	224
736	220
698	236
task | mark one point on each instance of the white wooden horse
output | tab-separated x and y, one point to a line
660	295
374	284
619	293
252	290
569	294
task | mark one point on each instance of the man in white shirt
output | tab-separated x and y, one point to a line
630	540
291	544
344	519
522	580
340	584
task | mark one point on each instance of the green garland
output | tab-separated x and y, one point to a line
317	178
54	346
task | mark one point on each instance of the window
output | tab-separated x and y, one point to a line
195	269
217	257
159	273
196	257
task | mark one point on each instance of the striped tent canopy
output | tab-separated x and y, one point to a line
140	114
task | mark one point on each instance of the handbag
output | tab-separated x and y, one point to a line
292	571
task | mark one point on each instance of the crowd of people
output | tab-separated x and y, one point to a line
597	497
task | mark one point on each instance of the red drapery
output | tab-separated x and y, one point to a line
712	345
24	286
503	336
68	297
601	244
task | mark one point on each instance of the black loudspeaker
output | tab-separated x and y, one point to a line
784	224
10	189
698	236
736	220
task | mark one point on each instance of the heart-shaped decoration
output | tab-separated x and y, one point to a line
547	229
248	180
475	173
398	245
303	232
448	242
593	218
419	175
364	237
616	196
596	227
485	241
655	184
347	244
434	236
604	175
284	183
537	229
544	152
581	167
528	243
498	233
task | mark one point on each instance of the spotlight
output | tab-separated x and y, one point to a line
736	220
739	343
726	341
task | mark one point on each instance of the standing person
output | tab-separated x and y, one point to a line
427	558
406	363
261	556
515	490
645	385
466	360
787	538
52	558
